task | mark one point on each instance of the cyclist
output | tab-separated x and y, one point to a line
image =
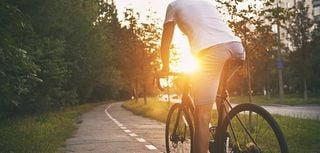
212	42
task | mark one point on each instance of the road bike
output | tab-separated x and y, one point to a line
244	128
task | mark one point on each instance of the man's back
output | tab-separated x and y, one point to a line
201	22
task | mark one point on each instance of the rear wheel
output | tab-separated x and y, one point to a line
179	130
249	128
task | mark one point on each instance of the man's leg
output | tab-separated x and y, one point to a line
202	119
205	86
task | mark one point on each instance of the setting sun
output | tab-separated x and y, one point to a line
186	63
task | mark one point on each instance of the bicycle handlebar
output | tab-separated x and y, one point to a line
157	78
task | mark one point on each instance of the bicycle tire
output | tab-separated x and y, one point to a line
182	136
247	146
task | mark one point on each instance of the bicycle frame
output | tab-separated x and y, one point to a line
222	102
225	114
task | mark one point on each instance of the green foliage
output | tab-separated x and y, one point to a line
18	75
56	53
60	53
252	22
18	71
315	59
42	133
138	54
299	58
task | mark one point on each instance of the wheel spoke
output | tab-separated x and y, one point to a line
253	130
178	130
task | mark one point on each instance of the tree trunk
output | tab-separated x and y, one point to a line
305	91
136	90
268	94
144	92
249	81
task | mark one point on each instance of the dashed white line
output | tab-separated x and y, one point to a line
141	140
151	147
133	134
127	131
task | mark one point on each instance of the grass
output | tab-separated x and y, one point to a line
302	135
154	109
44	133
288	100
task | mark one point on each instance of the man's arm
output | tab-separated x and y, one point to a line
167	34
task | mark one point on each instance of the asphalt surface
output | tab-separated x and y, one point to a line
112	129
305	112
109	128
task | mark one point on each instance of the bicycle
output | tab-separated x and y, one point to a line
238	132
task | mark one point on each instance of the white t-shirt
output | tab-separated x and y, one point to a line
201	22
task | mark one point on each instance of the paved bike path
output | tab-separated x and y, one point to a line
109	128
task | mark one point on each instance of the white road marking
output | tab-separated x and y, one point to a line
151	147
127	131
133	134
141	140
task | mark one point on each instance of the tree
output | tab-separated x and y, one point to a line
18	71
57	53
253	24
139	53
315	60
149	35
128	53
300	36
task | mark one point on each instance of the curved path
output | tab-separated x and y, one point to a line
109	128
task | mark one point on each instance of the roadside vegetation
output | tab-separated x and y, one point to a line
302	135
45	133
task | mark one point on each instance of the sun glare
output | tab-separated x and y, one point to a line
186	64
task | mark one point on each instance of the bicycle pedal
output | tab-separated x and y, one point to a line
213	128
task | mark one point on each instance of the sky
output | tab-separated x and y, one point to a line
187	62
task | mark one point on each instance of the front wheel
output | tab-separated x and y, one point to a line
249	128
179	130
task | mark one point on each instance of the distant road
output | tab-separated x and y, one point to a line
305	112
